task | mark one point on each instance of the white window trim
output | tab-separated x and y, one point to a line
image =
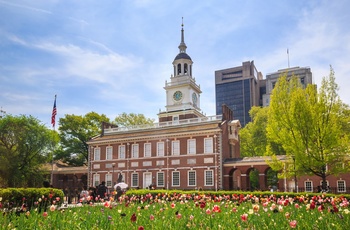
108	179
188	178
338	190
308	181
175	148
210	148
132	180
135	151
121	152
172	179
96	179
160	149
191	149
205	177
97	152
109	153
158	184
147	151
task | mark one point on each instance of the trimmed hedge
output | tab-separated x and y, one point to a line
26	198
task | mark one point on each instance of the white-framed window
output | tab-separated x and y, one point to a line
175	148
108	180
341	186
308	186
191	146
97	154
121	152
134	179
135	151
96	179
175	178
176	119
191	178
160	149
109	153
209	178
160	179
208	145
147	150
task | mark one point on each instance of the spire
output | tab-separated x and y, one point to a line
182	46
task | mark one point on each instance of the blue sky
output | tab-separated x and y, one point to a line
114	56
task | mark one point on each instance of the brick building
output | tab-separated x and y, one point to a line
184	150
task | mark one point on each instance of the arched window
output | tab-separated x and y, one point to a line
178	69
185	69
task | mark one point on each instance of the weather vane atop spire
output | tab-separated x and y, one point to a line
182	24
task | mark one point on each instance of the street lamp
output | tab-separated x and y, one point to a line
295	175
113	165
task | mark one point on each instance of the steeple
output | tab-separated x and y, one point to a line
182	92
182	46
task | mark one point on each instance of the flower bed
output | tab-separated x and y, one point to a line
174	210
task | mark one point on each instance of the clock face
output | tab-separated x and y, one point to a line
177	96
194	98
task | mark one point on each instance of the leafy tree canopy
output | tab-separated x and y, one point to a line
131	119
74	133
25	144
309	124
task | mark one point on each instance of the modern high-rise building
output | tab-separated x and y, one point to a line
240	89
243	87
303	73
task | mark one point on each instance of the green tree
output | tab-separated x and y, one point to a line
308	125
25	145
253	138
74	133
131	119
253	135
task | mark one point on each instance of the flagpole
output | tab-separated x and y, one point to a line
53	122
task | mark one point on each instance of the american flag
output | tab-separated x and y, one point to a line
54	112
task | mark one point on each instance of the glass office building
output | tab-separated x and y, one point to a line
239	89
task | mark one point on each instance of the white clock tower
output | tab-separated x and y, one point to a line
182	92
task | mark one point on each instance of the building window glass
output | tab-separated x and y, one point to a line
97	154
108	180
208	145
147	150
175	148
209	178
96	179
121	153
160	179
308	186
134	180
175	178
160	149
341	186
192	178
135	151
109	153
191	146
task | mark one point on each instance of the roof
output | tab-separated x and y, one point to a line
182	55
